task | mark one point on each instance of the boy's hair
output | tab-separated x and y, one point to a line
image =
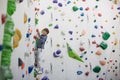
47	30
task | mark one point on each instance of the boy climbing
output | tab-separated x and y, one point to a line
40	42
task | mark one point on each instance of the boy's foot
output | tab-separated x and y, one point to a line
39	70
35	64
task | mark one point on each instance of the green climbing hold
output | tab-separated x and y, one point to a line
50	25
49	7
35	73
97	69
7	38
6	72
96	6
105	35
11	7
36	21
73	54
6	60
103	45
75	8
97	0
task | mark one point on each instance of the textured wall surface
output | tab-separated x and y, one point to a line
90	27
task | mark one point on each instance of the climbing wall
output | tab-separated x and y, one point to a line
83	42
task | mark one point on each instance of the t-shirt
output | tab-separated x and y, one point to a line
41	41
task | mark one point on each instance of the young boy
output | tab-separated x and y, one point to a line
40	42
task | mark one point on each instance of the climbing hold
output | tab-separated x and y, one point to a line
68	2
84	0
87	8
56	27
22	66
96	6
82	14
118	8
1	47
29	19
16	38
87	73
3	18
81	8
20	1
98	52
93	36
60	4
49	7
37	9
99	14
73	54
57	53
30	68
50	25
42	12
81	49
96	26
11	7
97	0
79	72
55	1
70	32
36	21
23	75
83	32
101	79
20	62
96	69
75	8
102	62
103	45
25	18
105	35
94	20
45	78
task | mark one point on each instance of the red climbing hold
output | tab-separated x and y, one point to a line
87	73
3	18
81	49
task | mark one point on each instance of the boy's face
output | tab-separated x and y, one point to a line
44	32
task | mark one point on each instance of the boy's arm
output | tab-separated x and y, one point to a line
38	34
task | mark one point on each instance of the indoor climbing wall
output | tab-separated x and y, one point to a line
83	42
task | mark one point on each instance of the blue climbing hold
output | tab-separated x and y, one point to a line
70	32
58	51
1	47
23	75
68	2
29	19
81	8
82	14
45	78
55	1
55	55
30	68
42	12
56	27
60	4
93	36
79	72
96	26
27	35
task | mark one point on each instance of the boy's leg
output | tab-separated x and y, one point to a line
36	57
39	69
